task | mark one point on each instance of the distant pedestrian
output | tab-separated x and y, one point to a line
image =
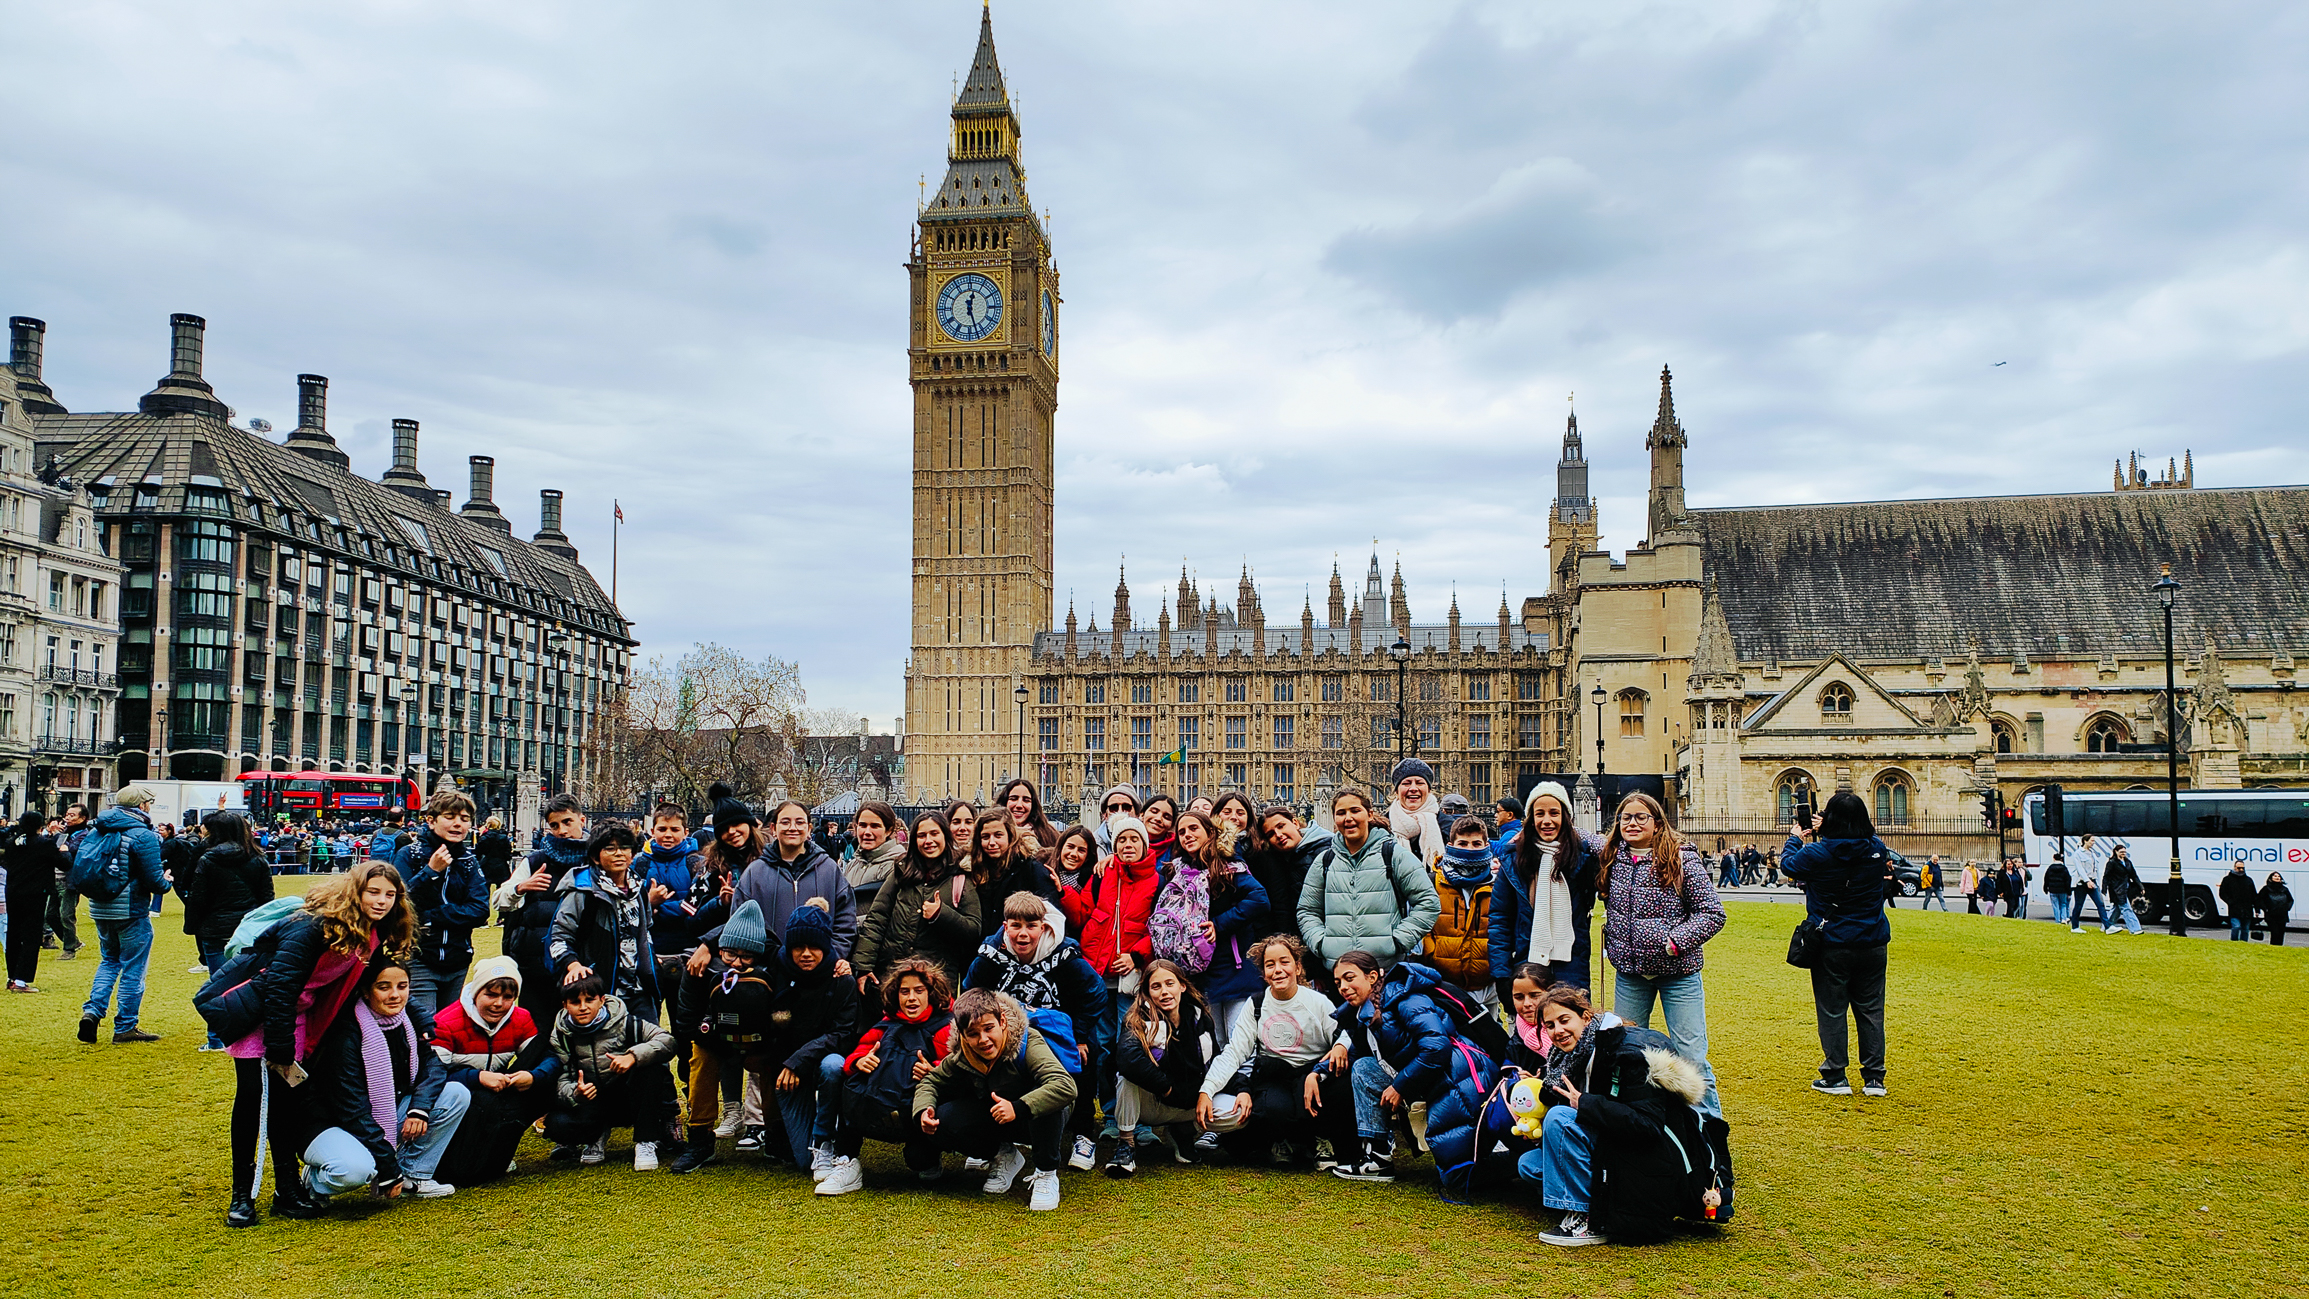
1991	883
31	859
2276	907
2121	883
1840	867
1933	885
1772	869
2241	898
2056	889
1728	870
2086	871
123	920
2015	888
1971	887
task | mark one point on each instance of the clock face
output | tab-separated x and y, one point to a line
1049	327
969	307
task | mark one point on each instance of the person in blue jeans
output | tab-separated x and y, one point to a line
2240	896
2121	884
383	1111
123	921
1659	908
1562	1166
814	1026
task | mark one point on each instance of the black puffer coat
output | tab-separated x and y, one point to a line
1653	1157
227	883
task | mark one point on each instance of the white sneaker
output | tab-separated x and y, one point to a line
1872	1089
729	1123
428	1189
1008	1163
1044	1185
842	1177
1572	1232
821	1162
196	969
513	1167
645	1156
973	1164
594	1154
1085	1156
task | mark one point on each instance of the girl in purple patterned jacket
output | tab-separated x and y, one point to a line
1659	908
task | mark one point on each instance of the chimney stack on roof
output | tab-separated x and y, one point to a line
311	435
26	345
480	502
549	534
183	391
404	476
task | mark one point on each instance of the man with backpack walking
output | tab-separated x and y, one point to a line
117	868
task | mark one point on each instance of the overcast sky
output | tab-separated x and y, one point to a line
1331	269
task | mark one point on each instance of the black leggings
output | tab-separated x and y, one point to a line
248	1094
968	1128
24	936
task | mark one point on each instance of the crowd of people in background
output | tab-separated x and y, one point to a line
1164	984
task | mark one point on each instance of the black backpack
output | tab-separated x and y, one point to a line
1471	1022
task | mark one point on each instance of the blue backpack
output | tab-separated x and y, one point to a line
1058	1031
101	867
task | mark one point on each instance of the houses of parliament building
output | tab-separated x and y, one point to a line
1914	651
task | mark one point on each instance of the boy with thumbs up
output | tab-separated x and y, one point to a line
1001	1095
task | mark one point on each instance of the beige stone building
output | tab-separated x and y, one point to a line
1921	651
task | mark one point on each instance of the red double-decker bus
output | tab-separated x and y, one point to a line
328	795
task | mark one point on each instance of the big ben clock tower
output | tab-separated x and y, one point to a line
982	356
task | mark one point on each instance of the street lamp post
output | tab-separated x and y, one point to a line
1400	651
1598	696
2177	892
1020	695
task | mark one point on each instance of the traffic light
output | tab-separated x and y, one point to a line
2008	818
2055	821
1989	801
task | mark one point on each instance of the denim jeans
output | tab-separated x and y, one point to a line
1109	1031
1932	895
800	1110
2125	917
829	1100
1683	1004
1563	1166
1368	1077
123	947
431	989
2076	907
2059	907
2240	928
336	1161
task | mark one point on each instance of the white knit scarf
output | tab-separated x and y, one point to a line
1421	825
1551	927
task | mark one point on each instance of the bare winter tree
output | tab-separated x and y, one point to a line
714	715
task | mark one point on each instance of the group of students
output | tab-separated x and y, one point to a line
1170	983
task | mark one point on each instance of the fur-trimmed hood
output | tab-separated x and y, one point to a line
1675	1075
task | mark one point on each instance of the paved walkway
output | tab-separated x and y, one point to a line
2038	909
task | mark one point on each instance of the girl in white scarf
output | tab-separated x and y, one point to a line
1411	817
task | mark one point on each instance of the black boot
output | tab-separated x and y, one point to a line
243	1212
696	1153
291	1199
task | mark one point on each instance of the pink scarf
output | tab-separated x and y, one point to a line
1531	1036
377	1064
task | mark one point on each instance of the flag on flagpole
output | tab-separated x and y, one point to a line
620	510
1173	758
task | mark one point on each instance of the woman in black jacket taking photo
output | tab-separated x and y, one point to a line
1840	866
230	879
32	861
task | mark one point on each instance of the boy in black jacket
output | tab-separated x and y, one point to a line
812	1029
526	907
726	1009
601	923
451	897
1033	960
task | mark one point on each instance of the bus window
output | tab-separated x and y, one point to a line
2133	818
2285	818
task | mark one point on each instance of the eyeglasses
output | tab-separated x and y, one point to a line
1635	818
1118	807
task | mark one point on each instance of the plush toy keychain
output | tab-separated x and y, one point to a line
1524	1103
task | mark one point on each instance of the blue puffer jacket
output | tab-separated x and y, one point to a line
1843	883
1432	1063
1244	920
1511	909
146	880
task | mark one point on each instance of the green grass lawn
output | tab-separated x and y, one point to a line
2070	1116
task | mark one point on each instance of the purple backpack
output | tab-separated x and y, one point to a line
1176	926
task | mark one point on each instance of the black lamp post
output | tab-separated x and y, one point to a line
1020	695
1598	696
2178	898
1400	651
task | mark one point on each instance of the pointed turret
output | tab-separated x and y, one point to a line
1307	625
1163	632
1187	602
1398	604
1506	621
1355	629
1453	643
1666	442
1375	590
983	175
1122	621
1715	659
1071	652
1336	610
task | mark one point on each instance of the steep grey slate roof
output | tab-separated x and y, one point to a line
1900	579
181	451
